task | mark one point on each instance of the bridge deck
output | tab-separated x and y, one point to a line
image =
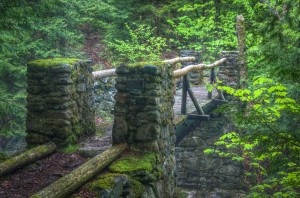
201	95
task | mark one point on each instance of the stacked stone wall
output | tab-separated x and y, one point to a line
195	77
229	71
209	176
60	101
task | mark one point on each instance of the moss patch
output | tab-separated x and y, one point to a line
142	64
70	148
106	181
134	162
138	188
52	62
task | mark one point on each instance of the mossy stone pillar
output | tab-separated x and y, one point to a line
144	114
229	71
60	101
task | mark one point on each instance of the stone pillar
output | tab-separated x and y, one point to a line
194	77
60	101
229	70
143	117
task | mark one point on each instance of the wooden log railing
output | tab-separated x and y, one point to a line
186	86
112	72
176	74
184	71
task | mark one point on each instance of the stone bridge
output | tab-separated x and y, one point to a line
61	109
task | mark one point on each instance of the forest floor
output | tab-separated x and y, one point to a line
36	176
40	174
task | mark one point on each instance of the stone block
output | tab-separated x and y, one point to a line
146	132
34	89
64	68
37	107
81	87
122	70
121	87
165	132
34	138
150	69
58	100
61	81
120	130
149	116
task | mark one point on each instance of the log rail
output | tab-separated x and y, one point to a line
112	72
183	72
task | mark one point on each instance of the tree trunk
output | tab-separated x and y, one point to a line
241	32
26	157
81	175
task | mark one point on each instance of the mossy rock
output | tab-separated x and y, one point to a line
152	63
134	162
115	185
110	185
138	188
106	181
47	63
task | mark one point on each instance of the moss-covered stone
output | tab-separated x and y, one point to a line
116	184
134	162
52	62
142	64
106	181
138	188
110	185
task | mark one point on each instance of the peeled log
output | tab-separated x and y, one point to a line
104	73
189	68
180	59
112	72
73	180
27	157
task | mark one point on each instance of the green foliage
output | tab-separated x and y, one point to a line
106	181
12	114
30	31
142	46
3	157
278	35
205	27
71	148
268	140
